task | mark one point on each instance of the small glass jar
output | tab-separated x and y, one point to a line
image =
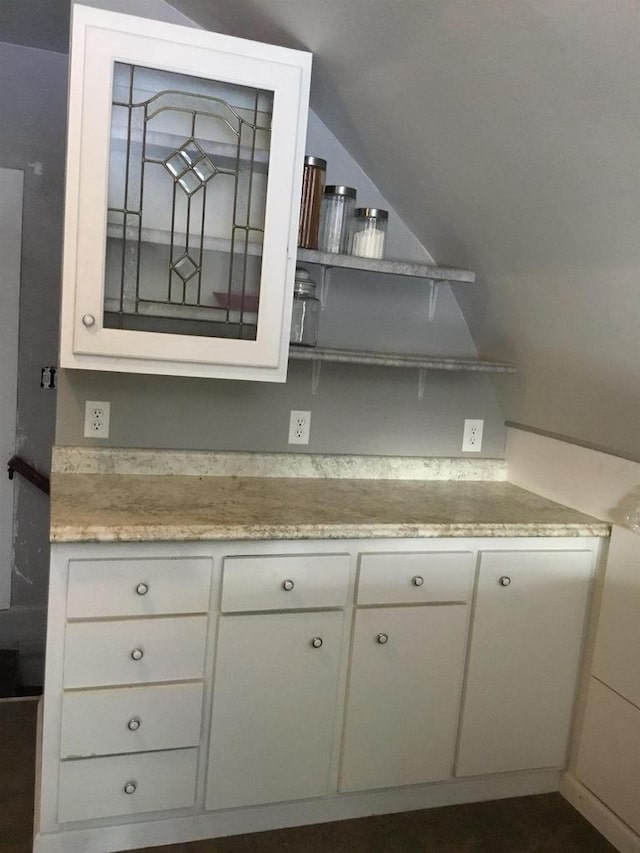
313	177
338	203
305	314
368	231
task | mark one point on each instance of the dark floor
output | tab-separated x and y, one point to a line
542	824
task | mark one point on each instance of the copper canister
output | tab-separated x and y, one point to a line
313	177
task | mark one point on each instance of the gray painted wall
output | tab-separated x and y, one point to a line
32	130
355	410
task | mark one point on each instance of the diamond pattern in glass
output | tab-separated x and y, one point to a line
191	166
186	267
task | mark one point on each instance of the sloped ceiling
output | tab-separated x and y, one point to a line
36	23
506	134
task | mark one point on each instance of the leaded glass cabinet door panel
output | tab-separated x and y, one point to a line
183	185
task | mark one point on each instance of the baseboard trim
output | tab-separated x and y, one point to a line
599	815
176	830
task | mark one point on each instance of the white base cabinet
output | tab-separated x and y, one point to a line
404	696
274	708
304	682
524	659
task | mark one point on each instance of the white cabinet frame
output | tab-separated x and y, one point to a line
99	39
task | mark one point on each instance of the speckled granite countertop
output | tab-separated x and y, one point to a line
105	507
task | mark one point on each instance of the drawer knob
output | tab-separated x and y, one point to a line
505	580
137	654
316	642
134	724
288	585
88	320
142	588
417	580
130	787
382	639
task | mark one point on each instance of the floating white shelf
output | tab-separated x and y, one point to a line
376	359
391	267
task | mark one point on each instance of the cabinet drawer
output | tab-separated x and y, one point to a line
95	787
99	588
285	583
130	719
104	653
419	578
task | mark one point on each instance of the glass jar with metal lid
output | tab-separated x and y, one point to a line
305	315
368	231
313	176
338	203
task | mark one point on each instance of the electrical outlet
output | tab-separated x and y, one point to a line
96	419
472	436
299	427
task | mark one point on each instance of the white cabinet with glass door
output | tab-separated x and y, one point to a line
184	165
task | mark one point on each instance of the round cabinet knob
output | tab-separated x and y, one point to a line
287	585
382	639
88	320
142	588
137	654
130	787
316	642
504	580
417	581
134	724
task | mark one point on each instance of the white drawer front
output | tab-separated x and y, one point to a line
99	588
130	719
97	787
419	578
284	583
104	653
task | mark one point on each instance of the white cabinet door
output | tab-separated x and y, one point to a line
609	757
274	707
618	639
526	642
404	696
184	170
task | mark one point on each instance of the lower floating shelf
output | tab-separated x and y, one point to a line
420	362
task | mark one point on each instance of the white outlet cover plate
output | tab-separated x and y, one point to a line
97	414
472	435
299	427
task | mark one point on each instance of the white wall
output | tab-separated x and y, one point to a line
11	182
32	130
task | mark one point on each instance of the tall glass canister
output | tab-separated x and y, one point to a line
338	204
313	177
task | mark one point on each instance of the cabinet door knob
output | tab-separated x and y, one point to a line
505	580
142	588
134	724
288	585
418	580
382	639
88	320
137	654
316	642
130	787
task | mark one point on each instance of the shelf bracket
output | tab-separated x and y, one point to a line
315	376
324	287
434	290
422	381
